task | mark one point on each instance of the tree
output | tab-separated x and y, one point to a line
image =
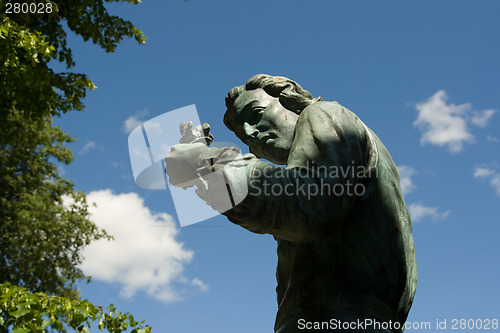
35	312
44	221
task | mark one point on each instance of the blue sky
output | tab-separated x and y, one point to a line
423	75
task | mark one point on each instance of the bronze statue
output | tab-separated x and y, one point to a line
346	259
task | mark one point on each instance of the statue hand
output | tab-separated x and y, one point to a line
214	191
222	181
200	133
182	162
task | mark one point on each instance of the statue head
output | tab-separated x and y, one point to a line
263	113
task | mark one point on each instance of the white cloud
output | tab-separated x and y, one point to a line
418	212
446	124
130	124
89	146
133	121
481	118
482	172
495	182
117	165
405	174
443	124
491	175
144	255
491	138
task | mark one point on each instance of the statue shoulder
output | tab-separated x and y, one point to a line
326	127
320	110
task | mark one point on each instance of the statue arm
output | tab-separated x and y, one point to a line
291	204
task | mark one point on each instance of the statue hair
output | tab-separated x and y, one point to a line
291	95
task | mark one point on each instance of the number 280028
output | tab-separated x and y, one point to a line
29	8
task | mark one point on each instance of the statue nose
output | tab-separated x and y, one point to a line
250	131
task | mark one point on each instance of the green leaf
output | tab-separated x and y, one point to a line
102	325
57	325
19	313
20	330
45	323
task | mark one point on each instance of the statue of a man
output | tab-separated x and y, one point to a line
346	259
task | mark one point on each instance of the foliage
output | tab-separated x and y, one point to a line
87	18
35	312
44	221
41	236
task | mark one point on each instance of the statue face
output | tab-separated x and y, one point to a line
264	125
